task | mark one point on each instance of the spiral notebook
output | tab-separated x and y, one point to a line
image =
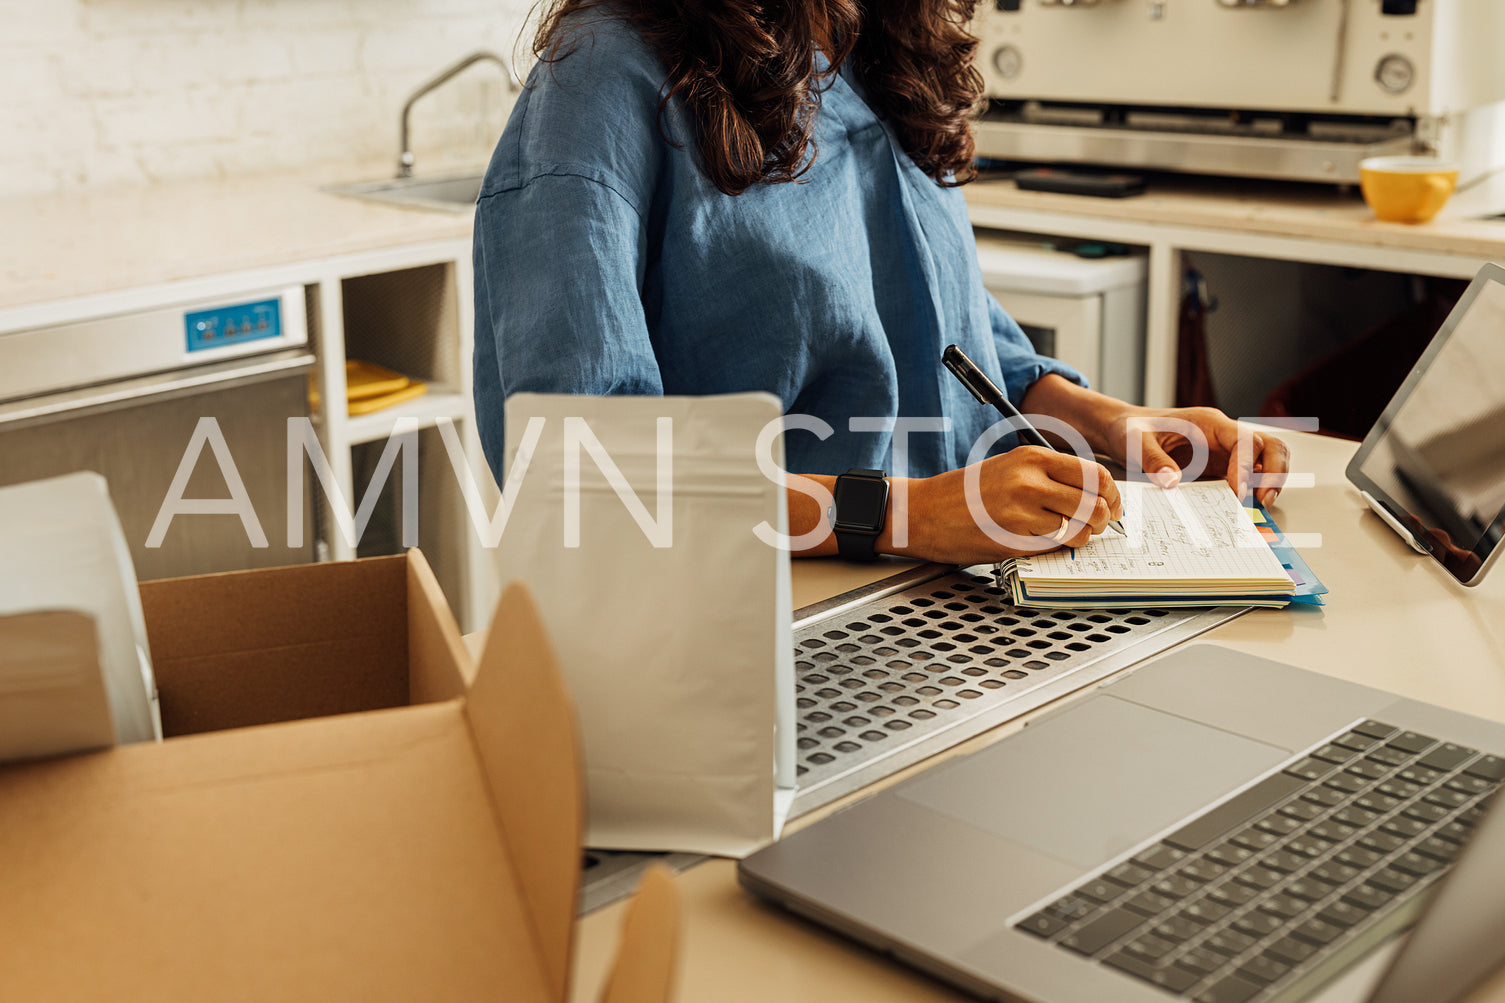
1192	545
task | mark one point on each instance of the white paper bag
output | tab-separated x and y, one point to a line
64	550
671	617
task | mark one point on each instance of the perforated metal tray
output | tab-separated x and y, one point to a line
917	663
911	665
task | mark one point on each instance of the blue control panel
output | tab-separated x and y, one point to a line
232	325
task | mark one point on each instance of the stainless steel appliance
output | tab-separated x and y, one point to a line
1292	89
123	395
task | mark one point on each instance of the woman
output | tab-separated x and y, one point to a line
706	197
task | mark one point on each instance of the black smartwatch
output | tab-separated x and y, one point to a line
859	513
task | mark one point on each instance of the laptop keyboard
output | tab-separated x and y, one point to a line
1246	898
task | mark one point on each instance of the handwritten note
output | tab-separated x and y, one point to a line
1196	534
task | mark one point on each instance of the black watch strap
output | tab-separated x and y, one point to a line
860	512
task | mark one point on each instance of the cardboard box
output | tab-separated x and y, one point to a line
336	815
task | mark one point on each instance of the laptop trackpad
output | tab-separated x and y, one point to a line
1094	781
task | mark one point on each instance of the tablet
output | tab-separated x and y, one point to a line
1433	465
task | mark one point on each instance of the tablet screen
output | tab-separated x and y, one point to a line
1436	457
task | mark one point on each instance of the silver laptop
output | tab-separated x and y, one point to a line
1212	827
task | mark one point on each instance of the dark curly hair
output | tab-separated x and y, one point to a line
743	71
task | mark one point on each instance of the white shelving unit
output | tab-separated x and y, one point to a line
409	310
439	402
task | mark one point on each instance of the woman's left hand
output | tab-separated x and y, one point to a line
1164	438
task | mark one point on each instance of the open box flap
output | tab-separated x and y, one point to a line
644	969
435	647
524	730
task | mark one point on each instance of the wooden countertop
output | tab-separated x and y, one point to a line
1286	209
1394	620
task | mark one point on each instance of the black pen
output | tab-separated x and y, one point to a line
987	392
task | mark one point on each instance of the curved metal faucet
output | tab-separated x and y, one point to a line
514	85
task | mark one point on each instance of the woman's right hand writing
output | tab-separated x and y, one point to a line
1026	492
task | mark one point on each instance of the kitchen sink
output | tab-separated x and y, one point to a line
451	193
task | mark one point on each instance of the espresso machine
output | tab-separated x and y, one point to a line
1289	89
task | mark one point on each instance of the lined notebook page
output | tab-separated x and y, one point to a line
1194	532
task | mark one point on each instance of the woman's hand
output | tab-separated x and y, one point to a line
1161	440
1026	501
1040	500
1166	447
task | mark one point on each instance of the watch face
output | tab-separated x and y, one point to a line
861	503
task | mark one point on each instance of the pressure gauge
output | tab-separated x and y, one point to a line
1395	73
1008	61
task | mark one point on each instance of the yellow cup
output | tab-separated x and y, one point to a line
1406	189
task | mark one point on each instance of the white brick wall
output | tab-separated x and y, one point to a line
97	93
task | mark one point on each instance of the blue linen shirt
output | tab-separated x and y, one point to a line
606	263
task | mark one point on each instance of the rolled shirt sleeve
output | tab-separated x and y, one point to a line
1021	365
559	271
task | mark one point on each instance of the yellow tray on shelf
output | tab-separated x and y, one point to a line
369	387
415	388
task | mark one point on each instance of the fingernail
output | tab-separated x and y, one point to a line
1167	477
1273	495
1243	489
